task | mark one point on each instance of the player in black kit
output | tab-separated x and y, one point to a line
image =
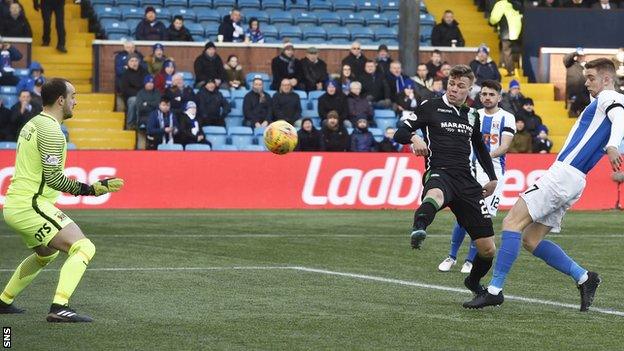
449	129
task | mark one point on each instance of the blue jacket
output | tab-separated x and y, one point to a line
156	130
362	140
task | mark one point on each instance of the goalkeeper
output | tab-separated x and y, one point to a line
29	208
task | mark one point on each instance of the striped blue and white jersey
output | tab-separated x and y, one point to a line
493	128
590	134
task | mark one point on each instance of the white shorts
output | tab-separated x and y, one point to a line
553	194
493	200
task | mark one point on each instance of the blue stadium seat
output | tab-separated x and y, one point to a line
176	3
315	94
224	4
8	90
211	30
328	18
393	19
344	6
427	19
8	145
21	72
265	78
334	32
214	130
106	12
170	147
145	3
425	32
186	13
240	131
224	147
361	33
376	131
270	32
288	31
259	131
271	92
304	105
242	140
262	17
163	14
207	15
280	17
111	26
200	4
389	5
376	19
296	5
320	5
216	140
102	2
309	114
232	121
249	4
226	93
349	131
305	18
133	3
223	11
302	94
273	4
197	147
195	29
252	148
118	36
367	6
239	93
9	100
386	33
353	18
71	146
237	103
386	113
236	112
383	123
314	32
129	12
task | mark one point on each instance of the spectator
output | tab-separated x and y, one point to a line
333	100
359	107
334	136
314	70
147	101
7	125
164	79
547	3
575	4
604	5
435	64
513	100
209	65
444	73
179	94
121	61
47	8
15	24
212	107
388	144
8	54
28	83
253	34
190	131
447	33
506	15
231	27
285	65
383	60
438	88
235	78
521	142
356	60
35	93
162	126
397	81
542	145
407	100
484	69
362	140
346	78
619	63
257	105
576	92
532	122
286	103
156	60
150	28
375	87
23	110
422	79
177	31
309	138
130	84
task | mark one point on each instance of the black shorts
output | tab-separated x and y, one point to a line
464	196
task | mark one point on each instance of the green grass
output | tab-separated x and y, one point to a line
292	310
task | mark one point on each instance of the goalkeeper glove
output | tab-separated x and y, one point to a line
108	185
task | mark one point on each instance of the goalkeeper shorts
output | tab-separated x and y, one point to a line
37	224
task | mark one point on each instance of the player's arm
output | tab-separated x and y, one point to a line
509	129
615	113
410	123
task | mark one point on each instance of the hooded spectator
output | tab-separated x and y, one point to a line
156	60
235	77
212	107
362	140
314	70
162	125
231	27
447	33
179	94
177	31
150	28
190	128
15	24
483	66
333	100
164	79
532	122
253	34
209	65
286	65
286	104
356	60
147	101
257	105
28	83
513	100
309	138
541	144
334	136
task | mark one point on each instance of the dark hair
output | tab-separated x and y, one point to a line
165	99
492	84
460	71
368	61
23	91
422	64
602	65
52	90
230	57
447	11
178	17
251	20
436	51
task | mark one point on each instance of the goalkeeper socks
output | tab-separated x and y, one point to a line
425	214
472	252
555	257
79	256
25	273
481	266
507	255
456	240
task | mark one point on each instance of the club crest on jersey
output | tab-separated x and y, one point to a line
496	124
52	160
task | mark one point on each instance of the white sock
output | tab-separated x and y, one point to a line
494	290
583	279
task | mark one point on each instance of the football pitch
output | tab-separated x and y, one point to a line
311	280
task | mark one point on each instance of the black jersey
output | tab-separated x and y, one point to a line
449	132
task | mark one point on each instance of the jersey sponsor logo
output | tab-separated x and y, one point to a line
454	127
491	138
443	110
52	160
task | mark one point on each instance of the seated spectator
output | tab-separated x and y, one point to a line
579	4
209	65
359	107
546	3
28	83
235	78
212	107
421	78
362	140
522	140
333	100
407	101
121	62
309	138
231	27
286	103
24	110
513	100
435	64
334	136
375	87
150	28
164	79
356	60
257	105
532	122
190	131
15	24
383	60
156	60
130	84
253	34
179	94
286	65
388	144
162	126
447	33
35	93
177	31
437	88
314	70
444	73
7	125
8	54
397	81
484	69
604	5
541	144
346	78
147	101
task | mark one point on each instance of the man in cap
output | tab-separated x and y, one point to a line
208	65
150	28
314	70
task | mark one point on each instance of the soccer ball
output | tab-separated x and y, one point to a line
280	137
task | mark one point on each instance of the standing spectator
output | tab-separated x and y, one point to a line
359	107
506	14
47	8
257	105
23	110
334	136
235	78
513	100
388	144
15	25
253	34
164	79
333	100
422	77
162	126
407	100
209	65
28	83
604	5
484	69
522	141
309	138
8	54
147	101
314	70
212	107
346	78
35	93
177	31
121	64
156	60
179	94
532	122
7	125
447	33
576	92
356	60
150	28
286	103
375	87
362	140
231	27
542	145
434	64
285	65
397	81
190	131
383	60
130	84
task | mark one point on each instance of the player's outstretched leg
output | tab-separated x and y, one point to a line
457	237
424	215
472	253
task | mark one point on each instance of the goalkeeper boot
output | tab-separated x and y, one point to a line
417	238
446	265
10	308
588	290
485	299
64	314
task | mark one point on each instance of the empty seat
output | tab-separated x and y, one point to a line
71	146
106	12
197	147
226	93
387	113
216	130
232	121
272	4
386	33
259	131
302	94
102	2
353	18
176	3
383	123
9	100
224	147
145	3
111	26
334	32
240	131
249	4
305	18
195	29
207	15
280	17
425	32
133	3
389	5
262	17
367	5
170	147
314	32
296	5
211	29
393	19
347	6
186	13
242	140
252	148
129	12
224	4
309	114
9	90
238	93
328	18
292	32
216	140
163	14
320	5
427	19
315	94
269	31
362	33
376	19
200	4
